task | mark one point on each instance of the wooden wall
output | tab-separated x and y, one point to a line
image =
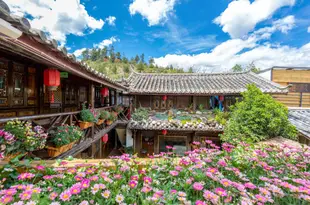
295	98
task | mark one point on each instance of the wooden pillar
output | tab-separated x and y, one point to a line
91	97
194	103
156	143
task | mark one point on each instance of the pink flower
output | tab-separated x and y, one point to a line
212	170
75	190
132	184
147	180
40	167
85	184
53	195
208	141
198	202
65	196
249	185
174	173
6	199
84	203
197	186
134	177
222	163
25	175
173	191
146	189
106	194
220	191
225	182
260	198
25	195
10	192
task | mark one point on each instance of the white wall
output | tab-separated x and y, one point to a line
266	74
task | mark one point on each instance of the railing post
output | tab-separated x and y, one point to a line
300	100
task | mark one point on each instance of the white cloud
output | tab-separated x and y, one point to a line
111	20
244	51
106	42
155	11
57	17
241	16
79	52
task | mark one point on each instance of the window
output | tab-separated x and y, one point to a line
300	87
178	142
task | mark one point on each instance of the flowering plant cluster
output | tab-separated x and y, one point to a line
89	115
21	137
245	175
66	134
104	115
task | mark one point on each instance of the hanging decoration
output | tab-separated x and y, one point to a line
221	98
104	92
164	132
52	81
105	138
165	97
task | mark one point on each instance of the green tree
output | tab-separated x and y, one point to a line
94	55
142	58
114	69
151	61
253	68
118	55
126	68
140	67
190	70
237	68
124	59
85	55
257	117
104	52
137	59
112	54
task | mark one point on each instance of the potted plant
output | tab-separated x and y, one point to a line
119	109
103	115
88	117
112	117
63	139
19	137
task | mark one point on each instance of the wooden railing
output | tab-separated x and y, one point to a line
91	134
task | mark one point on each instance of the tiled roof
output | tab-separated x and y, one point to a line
198	83
174	126
301	119
40	37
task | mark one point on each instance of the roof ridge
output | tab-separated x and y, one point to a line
193	74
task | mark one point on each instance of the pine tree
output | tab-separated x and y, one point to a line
142	58
137	59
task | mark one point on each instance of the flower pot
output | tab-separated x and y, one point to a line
100	122
55	151
109	122
85	125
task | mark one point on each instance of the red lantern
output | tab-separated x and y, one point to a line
164	132
104	92
105	138
52	81
221	98
165	97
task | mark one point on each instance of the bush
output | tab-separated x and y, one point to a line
140	114
221	117
257	117
66	134
89	115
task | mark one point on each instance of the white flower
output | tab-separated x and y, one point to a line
55	203
119	198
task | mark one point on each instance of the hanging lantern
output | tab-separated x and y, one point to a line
105	138
52	81
164	132
221	98
104	92
165	97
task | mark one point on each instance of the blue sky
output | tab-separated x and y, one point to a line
209	35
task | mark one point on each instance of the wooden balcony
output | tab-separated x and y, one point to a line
91	137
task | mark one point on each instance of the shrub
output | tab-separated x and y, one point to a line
140	114
257	117
221	117
89	115
65	135
104	115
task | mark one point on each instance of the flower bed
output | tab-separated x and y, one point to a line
263	174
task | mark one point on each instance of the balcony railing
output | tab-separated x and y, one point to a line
91	134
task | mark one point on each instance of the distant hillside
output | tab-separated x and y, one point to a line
116	66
